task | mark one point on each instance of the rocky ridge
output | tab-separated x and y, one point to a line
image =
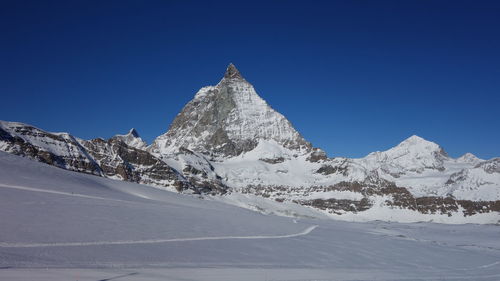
119	157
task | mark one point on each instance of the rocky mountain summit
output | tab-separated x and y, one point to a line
132	139
227	120
228	142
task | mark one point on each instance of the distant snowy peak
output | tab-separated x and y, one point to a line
469	158
413	147
413	154
418	145
132	139
227	120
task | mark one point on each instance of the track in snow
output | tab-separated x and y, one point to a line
127	242
26	188
152	241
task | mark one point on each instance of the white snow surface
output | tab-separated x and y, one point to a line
61	225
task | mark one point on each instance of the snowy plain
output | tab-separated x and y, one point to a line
60	225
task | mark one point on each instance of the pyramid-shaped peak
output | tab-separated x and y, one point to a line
232	72
132	139
227	120
133	132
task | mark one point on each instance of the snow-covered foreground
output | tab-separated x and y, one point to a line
60	225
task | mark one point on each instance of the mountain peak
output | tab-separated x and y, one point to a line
419	145
414	154
132	139
133	132
227	120
468	158
232	72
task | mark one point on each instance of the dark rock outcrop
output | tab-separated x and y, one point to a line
111	158
60	150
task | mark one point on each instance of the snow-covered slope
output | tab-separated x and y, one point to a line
61	225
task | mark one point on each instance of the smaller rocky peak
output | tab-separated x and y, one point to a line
132	139
133	132
232	72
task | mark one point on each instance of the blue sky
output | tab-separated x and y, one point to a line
352	76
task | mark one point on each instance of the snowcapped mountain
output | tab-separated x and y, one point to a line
132	139
469	158
230	143
227	120
425	169
414	154
255	150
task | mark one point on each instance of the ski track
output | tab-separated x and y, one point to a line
25	188
153	241
127	242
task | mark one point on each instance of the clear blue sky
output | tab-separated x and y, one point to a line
352	76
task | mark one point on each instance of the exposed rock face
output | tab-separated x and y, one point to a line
57	149
317	155
226	120
338	206
111	158
232	73
118	160
490	166
197	170
356	197
273	160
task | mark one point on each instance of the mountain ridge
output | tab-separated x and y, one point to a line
228	140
